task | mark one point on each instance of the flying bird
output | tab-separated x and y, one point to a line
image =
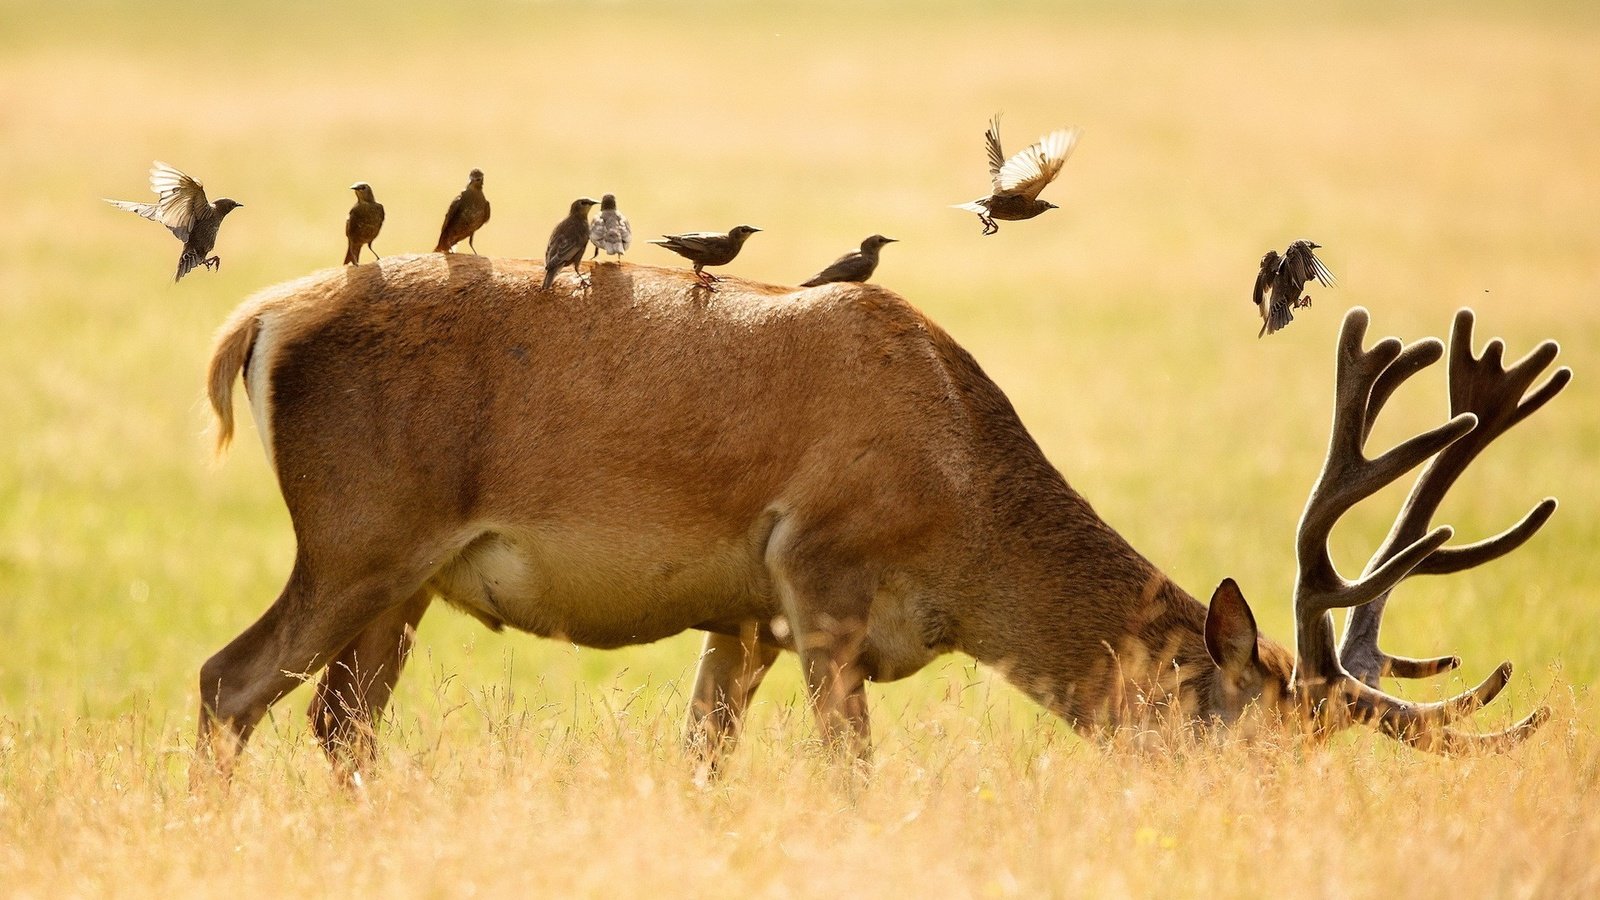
609	231
468	212
363	224
568	241
1017	181
857	265
181	205
1282	279
707	248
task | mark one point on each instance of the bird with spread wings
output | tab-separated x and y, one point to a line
1017	181
1281	281
181	205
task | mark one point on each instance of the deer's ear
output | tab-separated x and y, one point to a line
1230	628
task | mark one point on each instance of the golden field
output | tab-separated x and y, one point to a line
1445	155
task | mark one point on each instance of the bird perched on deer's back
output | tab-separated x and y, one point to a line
610	231
857	265
1016	182
708	248
468	212
181	205
1281	280
568	241
361	227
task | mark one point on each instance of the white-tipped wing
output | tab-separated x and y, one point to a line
180	198
1028	172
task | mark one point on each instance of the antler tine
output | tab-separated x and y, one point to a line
1412	359
1498	398
1426	725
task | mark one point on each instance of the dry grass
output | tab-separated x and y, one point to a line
1444	156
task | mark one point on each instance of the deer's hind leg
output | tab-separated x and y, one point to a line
357	684
315	617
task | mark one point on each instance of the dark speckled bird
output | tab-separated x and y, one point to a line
1017	181
568	241
468	212
1281	280
610	230
708	248
181	205
857	265
361	227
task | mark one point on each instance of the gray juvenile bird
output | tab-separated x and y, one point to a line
858	265
707	248
468	212
1017	181
568	241
363	224
181	205
609	231
1281	280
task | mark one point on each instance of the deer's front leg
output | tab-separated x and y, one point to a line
731	668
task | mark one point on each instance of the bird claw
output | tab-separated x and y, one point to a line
1301	303
989	225
213	264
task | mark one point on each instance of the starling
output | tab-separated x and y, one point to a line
610	231
568	241
181	205
854	266
468	212
707	248
1284	278
363	224
1018	180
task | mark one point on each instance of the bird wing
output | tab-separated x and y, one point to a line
1269	268
1303	264
991	143
842	269
179	198
567	243
1028	172
698	241
148	210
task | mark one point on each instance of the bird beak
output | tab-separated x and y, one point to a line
753	228
891	240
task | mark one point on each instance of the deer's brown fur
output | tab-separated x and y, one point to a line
823	470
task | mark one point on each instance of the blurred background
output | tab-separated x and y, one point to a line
1445	155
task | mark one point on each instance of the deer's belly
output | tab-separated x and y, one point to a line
604	591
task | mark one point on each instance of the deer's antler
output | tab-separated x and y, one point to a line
1485	401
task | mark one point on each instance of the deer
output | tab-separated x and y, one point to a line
824	472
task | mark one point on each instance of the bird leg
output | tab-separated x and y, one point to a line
1301	303
214	263
989	225
473	246
706	279
374	250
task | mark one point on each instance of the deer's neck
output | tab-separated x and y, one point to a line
1081	621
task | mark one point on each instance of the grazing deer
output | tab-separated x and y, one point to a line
825	472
